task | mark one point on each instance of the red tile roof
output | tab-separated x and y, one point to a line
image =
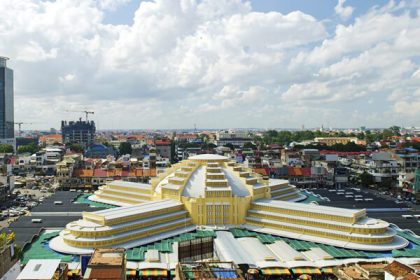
262	171
411	276
162	142
99	173
106	273
51	138
306	171
398	269
83	173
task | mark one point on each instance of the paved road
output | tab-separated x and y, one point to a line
37	195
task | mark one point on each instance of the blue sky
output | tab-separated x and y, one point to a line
320	9
215	63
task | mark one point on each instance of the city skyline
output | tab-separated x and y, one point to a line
170	64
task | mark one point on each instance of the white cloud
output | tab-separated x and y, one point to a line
344	12
33	52
219	62
409	109
67	78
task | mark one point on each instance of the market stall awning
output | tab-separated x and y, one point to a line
130	272
153	272
275	271
306	270
328	270
73	272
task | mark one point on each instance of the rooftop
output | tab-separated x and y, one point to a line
39	269
196	185
398	269
108	257
129	184
308	208
116	213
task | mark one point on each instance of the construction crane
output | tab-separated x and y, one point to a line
20	126
86	113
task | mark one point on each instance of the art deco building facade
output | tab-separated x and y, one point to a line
209	191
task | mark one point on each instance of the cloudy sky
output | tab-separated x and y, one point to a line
214	63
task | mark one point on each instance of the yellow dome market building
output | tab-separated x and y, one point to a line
210	191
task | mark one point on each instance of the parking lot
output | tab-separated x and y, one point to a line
405	215
54	211
21	201
355	198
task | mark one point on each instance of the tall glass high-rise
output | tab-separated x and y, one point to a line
6	100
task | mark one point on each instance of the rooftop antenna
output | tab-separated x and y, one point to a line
3	61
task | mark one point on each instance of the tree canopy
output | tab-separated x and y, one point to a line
230	145
125	148
366	179
30	148
6	148
77	148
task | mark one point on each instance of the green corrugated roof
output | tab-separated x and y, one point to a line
406	252
409	237
237	232
39	249
83	199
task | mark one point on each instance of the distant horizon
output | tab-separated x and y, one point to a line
220	129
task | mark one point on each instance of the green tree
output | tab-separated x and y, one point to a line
341	134
30	148
372	137
395	130
6	148
349	147
414	145
212	146
387	134
271	133
366	179
283	138
361	136
77	148
250	145
230	145
125	148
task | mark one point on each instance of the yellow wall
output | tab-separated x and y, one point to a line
103	243
345	228
204	211
303	213
325	234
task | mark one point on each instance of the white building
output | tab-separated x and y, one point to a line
237	138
